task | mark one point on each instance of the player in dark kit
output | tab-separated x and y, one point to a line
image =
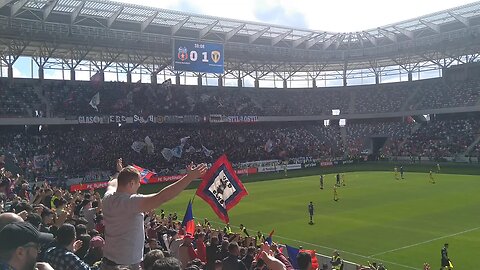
310	211
321	181
338	180
401	172
446	264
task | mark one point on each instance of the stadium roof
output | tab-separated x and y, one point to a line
452	32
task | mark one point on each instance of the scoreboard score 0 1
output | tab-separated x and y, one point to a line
197	56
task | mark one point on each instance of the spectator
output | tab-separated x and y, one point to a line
95	252
201	247
249	257
212	253
150	258
232	262
7	218
304	261
62	256
167	263
186	252
123	214
20	244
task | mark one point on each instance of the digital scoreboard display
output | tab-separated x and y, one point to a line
197	56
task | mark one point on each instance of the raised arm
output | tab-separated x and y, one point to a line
112	184
152	201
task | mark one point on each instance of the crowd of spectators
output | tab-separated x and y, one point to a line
438	93
358	133
86	151
45	227
19	100
75	150
389	97
441	138
67	98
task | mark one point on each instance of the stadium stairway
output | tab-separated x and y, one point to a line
353	97
411	101
412	131
472	145
43	99
343	133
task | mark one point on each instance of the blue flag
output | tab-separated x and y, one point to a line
292	256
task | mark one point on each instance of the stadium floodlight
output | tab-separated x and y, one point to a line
326	122
336	112
342	122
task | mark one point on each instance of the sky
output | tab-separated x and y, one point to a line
322	15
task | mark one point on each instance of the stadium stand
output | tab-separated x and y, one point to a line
19	100
67	98
48	154
441	138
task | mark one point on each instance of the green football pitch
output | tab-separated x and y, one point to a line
400	223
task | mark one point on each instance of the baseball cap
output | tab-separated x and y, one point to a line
18	234
97	241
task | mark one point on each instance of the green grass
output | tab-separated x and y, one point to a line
400	223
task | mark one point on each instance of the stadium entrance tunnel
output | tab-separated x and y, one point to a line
376	144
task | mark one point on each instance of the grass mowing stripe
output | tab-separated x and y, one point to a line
424	242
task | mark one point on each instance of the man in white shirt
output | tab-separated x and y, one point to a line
123	212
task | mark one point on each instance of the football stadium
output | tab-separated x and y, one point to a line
137	137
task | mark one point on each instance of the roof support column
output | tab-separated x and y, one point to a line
220	80
14	51
177	78
291	70
315	72
42	56
260	71
156	66
106	60
407	65
375	69
199	79
75	57
133	61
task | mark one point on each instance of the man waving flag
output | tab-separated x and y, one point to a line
221	188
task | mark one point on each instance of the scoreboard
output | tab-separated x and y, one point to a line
197	56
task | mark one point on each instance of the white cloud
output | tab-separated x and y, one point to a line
17	73
337	16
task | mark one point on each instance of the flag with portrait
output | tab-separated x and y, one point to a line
221	188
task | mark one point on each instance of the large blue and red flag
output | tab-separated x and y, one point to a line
145	174
221	188
292	256
188	222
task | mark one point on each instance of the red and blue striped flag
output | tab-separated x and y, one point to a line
145	174
188	222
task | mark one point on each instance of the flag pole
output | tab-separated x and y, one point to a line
193	198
